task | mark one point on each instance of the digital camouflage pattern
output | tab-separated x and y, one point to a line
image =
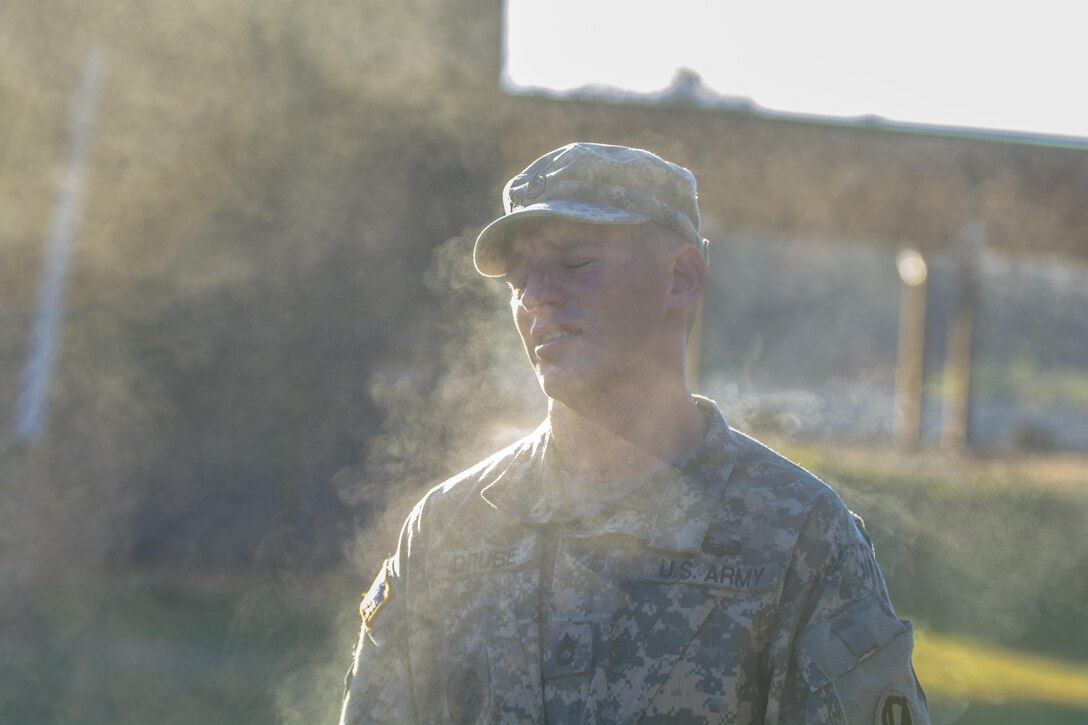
596	184
735	588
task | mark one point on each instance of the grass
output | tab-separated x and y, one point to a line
1024	380
952	667
986	555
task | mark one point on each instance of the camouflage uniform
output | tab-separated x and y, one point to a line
733	587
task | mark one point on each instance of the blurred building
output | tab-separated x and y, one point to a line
265	286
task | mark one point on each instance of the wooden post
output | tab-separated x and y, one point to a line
956	398
912	334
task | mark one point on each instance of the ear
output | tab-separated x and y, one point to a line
689	274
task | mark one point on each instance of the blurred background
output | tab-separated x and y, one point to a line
240	332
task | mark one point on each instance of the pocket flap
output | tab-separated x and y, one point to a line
831	648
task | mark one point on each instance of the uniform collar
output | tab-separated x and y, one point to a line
670	510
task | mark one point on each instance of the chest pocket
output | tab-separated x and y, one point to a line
483	603
470	583
681	639
741	591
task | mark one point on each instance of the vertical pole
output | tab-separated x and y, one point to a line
42	353
956	399
911	354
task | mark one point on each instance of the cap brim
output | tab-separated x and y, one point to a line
493	243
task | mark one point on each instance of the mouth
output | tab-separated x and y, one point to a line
548	342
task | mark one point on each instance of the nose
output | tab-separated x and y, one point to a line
540	289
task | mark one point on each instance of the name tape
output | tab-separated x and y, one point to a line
450	564
720	573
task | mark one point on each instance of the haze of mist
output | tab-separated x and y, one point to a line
273	342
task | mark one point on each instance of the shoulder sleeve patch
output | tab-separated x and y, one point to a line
894	709
378	595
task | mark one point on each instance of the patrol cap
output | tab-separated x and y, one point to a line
594	183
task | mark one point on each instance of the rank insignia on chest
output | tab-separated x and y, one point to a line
377	596
570	650
564	655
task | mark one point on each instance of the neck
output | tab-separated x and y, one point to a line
627	436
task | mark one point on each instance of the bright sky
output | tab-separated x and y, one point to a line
1009	65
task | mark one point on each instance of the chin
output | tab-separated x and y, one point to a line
550	388
571	391
557	386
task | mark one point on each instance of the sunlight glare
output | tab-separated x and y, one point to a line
972	64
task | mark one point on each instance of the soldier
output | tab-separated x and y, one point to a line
634	559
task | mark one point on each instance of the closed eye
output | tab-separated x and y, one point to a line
576	263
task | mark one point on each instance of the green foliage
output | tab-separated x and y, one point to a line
988	550
1025	381
991	549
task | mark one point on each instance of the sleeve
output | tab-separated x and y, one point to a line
847	656
379	686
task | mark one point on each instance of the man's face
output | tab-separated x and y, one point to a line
589	303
